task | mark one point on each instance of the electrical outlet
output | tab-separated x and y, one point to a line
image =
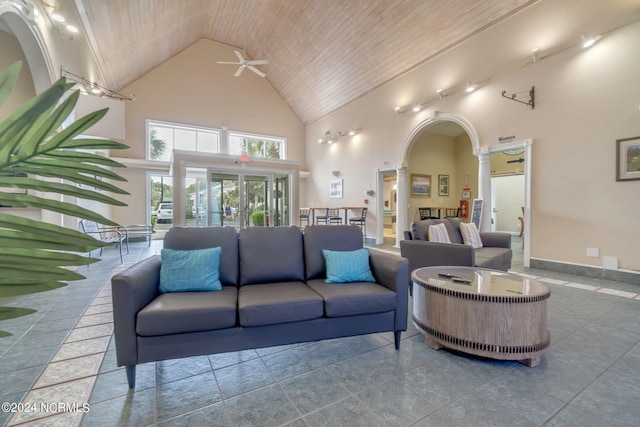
593	252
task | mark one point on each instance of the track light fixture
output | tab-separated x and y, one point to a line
93	88
330	138
587	41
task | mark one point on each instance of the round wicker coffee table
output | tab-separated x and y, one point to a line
482	312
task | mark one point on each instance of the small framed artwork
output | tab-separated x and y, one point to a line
335	189
443	185
628	159
420	185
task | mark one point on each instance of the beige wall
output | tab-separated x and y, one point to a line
191	88
11	52
585	100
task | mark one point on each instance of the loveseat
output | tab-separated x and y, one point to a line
273	292
495	252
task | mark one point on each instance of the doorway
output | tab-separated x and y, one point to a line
237	199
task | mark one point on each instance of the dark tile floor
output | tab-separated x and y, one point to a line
589	376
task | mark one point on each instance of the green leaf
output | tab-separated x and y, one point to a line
51	165
14	127
74	129
93	144
8	79
27	257
30	201
48	231
7	313
80	156
56	187
70	175
25	240
43	273
47	125
28	288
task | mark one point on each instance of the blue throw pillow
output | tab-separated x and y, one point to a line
347	266
196	270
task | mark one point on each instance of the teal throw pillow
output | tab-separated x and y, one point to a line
347	266
185	271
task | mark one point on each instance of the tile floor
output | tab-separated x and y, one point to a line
60	366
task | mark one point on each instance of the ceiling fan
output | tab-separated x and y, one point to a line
245	63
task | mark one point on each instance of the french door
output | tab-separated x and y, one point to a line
247	199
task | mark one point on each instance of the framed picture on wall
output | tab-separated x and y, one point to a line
420	185
628	159
443	185
335	189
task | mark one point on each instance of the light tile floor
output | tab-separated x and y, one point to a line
60	365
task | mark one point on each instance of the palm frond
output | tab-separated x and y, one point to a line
39	156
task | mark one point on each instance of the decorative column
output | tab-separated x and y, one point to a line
402	204
484	187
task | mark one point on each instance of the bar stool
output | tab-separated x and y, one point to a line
304	215
361	221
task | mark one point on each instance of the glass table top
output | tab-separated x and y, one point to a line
478	281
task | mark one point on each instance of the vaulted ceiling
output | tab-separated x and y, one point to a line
322	53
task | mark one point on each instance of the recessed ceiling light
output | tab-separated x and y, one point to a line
57	17
72	29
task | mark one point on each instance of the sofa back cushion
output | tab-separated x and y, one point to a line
189	238
454	230
331	237
271	254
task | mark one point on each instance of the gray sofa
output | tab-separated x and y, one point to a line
495	253
273	293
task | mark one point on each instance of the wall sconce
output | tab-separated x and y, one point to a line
93	88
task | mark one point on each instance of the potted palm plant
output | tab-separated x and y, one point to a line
40	159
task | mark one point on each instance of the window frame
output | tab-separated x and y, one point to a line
182	126
264	138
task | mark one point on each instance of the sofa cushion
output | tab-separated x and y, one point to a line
176	313
271	254
188	271
348	266
420	229
330	237
494	258
438	233
280	302
470	235
184	238
348	299
454	229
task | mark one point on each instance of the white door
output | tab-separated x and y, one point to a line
507	201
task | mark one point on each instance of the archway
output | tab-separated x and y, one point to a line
15	17
401	169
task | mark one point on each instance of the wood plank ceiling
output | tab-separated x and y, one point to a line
322	53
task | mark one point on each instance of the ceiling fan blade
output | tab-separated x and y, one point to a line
255	70
239	71
226	62
239	55
259	62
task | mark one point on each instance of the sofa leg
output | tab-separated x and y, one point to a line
396	338
131	375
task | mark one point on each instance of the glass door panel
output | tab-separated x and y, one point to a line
225	203
281	201
257	200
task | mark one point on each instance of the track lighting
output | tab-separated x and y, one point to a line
93	88
587	42
471	87
330	138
